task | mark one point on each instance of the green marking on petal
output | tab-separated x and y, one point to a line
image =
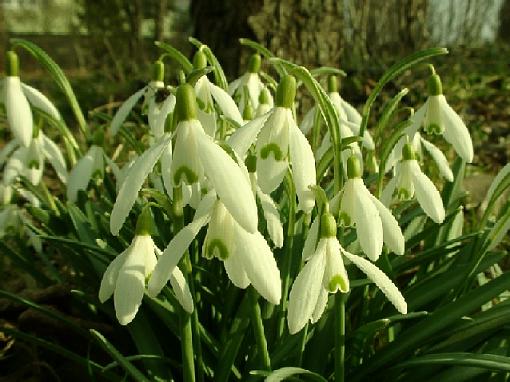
186	174
337	282
345	220
33	164
216	248
434	128
403	194
272	148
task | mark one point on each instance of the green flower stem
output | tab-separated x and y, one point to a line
339	334
304	334
316	129
287	261
258	328
188	361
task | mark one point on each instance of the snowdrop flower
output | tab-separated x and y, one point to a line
158	109
374	223
17	97
246	256
410	180
125	277
269	208
89	166
248	88
349	117
325	273
440	118
195	156
265	102
29	161
209	94
278	142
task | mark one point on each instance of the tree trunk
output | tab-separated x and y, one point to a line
504	22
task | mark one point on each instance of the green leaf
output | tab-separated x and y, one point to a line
393	72
286	372
58	76
186	65
388	111
327	70
485	361
117	356
441	319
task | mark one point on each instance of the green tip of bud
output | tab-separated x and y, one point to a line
353	167
434	85
333	84
144	224
265	96
254	63
199	60
286	92
248	112
328	225
11	64
251	163
158	71
408	152
186	103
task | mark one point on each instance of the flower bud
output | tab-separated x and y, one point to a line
11	64
408	152
144	224
434	85
286	92
328	225
158	71
353	167
254	63
199	60
333	84
186	103
265	96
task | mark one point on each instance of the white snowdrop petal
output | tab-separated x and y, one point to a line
335	276
234	85
352	114
158	114
7	150
186	164
427	194
438	157
456	132
80	175
259	265
226	103
40	101
305	290
368	222
180	242
181	290
235	271
134	180
19	115
208	122
54	155
311	240
231	186
392	234
124	110
245	136
303	167
388	190
166	169
322	302
307	122
272	216
110	277
130	285
270	173
382	281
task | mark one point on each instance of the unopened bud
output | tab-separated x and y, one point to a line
286	92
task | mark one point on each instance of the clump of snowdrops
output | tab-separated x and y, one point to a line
233	235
